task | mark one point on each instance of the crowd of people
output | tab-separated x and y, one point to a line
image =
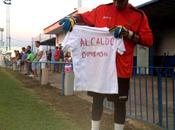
30	61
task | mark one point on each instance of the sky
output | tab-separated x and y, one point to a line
28	18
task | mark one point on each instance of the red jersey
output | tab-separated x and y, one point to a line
57	55
108	15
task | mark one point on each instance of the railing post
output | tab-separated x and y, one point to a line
134	85
40	71
146	92
166	99
152	87
140	92
62	79
160	107
173	79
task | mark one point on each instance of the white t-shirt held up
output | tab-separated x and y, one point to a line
93	55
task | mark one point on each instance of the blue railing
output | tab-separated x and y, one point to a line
152	96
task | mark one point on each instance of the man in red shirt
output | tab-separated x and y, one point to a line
56	58
132	25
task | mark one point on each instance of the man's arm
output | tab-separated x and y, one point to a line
78	19
40	54
144	35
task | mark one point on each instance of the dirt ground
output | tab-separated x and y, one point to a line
76	108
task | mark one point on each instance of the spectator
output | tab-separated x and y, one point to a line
49	57
61	54
56	58
17	59
35	64
43	62
42	54
68	62
23	58
28	49
30	58
61	58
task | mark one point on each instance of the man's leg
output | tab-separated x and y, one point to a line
120	104
119	115
97	110
30	68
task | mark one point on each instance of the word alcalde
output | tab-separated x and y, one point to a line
96	41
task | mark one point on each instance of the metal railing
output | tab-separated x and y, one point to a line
156	95
152	96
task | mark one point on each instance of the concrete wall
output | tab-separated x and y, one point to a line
59	38
142	56
167	43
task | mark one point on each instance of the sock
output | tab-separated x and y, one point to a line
118	126
95	125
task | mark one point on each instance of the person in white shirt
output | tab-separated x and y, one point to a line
43	62
42	54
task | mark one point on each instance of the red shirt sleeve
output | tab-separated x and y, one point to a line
145	33
89	17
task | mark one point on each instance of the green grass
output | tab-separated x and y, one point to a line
21	109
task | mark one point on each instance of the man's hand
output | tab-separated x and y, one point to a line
121	31
67	23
